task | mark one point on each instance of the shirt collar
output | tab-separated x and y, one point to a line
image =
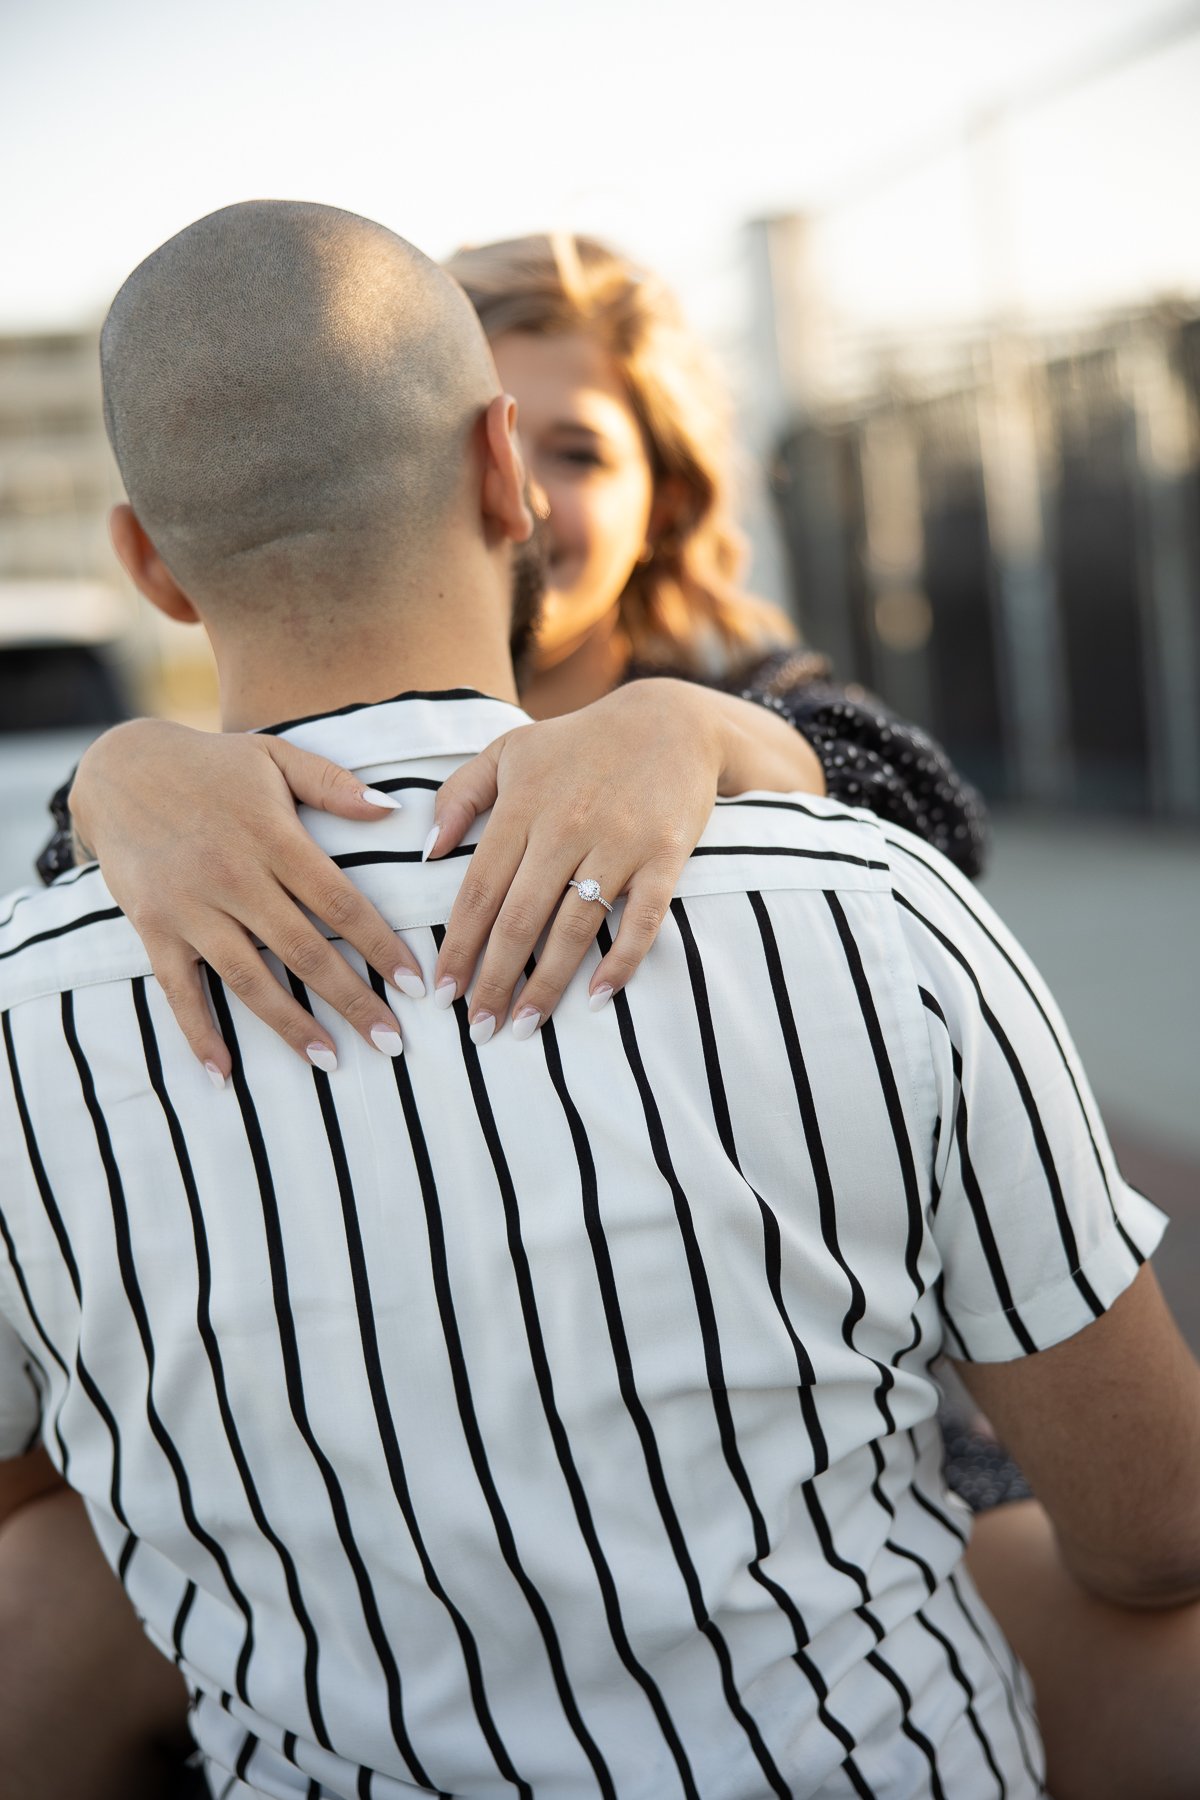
451	722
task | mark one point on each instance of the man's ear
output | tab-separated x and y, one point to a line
506	511
146	568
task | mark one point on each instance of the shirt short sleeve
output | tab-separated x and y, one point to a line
1038	1231
20	1406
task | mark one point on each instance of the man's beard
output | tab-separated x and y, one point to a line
528	594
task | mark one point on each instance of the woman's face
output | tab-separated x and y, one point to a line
584	448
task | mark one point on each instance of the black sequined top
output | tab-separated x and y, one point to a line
870	758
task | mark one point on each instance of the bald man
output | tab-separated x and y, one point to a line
556	1419
310	430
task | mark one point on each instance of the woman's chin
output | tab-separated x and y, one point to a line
564	626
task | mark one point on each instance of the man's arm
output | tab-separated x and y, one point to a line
24	1479
1107	1427
1117	1687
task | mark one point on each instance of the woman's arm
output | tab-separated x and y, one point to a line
199	842
620	791
1118	1691
871	758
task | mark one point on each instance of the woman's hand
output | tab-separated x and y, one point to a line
619	792
202	881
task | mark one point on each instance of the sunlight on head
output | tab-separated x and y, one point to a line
289	391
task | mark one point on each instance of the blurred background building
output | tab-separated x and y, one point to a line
966	358
1000	534
992	520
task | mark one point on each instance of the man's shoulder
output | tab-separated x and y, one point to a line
799	841
68	935
806	846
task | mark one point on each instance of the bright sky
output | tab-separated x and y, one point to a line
662	124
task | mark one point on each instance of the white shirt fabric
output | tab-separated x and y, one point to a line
556	1417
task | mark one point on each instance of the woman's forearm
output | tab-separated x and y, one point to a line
871	758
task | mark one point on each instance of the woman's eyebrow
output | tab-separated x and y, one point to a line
577	427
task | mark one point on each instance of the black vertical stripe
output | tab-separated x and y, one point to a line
931	869
246	1757
181	1619
828	1220
39	1399
720	1105
313	1790
983	1223
212	1351
505	1538
974	1194
895	1110
623	1360
706	1316
1062	1217
926	1504
772	1243
1012	1699
916	1221
707	1320
294	1384
540	1361
910	1555
126	1556
388	1438
961	1677
906	1724
903	1550
826	1200
137	1306
14	1263
46	1194
939	1123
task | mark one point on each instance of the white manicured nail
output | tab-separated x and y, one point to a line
410	983
387	1039
430	841
483	1028
376	797
215	1075
443	994
600	998
322	1057
525	1023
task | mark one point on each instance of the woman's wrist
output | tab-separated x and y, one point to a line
107	763
748	745
759	748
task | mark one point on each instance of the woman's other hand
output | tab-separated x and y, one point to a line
619	793
200	845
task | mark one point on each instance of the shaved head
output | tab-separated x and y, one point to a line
290	392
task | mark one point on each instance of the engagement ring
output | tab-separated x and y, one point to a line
590	890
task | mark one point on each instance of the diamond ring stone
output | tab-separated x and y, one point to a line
587	889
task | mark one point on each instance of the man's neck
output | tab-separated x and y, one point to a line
424	645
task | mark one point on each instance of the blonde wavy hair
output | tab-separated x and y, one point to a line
682	607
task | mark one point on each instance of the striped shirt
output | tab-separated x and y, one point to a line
556	1418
